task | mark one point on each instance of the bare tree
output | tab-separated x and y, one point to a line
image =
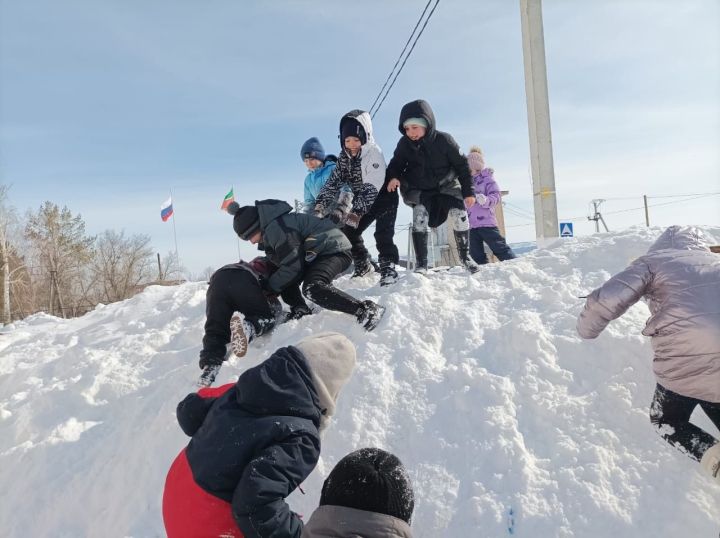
60	246
120	264
170	268
11	264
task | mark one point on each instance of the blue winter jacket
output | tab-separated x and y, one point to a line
257	442
314	182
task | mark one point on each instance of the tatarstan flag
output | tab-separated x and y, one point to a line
229	197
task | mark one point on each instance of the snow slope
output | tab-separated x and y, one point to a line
480	385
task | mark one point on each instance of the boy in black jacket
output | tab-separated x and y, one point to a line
434	179
254	441
306	249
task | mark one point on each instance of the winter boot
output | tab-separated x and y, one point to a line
241	334
208	375
388	274
369	314
419	240
462	240
362	267
711	461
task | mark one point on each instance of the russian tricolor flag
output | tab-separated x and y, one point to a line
166	210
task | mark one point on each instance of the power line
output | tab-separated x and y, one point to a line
399	57
406	58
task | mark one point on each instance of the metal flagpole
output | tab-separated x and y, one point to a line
174	229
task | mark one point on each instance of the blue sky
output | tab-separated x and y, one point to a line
107	105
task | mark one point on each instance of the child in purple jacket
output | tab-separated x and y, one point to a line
483	225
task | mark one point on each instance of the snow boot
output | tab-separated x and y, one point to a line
208	375
419	240
462	240
369	314
710	462
241	334
362	267
388	274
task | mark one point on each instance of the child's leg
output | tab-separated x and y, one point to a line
458	220
712	410
385	213
477	248
497	243
420	219
317	284
670	414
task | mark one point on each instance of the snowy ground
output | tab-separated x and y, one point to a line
480	385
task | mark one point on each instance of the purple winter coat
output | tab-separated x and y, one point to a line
483	216
680	279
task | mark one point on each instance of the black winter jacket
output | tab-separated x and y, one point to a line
432	164
256	443
288	238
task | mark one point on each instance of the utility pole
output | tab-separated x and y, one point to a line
647	214
597	216
541	158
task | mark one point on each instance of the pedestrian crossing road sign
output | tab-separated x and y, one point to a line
566	229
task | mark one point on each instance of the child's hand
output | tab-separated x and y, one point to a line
393	184
469	201
353	219
480	199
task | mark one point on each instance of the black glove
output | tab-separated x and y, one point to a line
209	361
296	312
336	216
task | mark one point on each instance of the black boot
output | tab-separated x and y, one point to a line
388	274
369	314
462	240
362	266
419	240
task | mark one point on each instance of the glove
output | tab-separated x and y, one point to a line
210	361
296	312
480	199
336	216
353	219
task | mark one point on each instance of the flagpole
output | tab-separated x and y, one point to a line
174	231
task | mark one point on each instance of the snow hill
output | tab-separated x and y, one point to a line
480	385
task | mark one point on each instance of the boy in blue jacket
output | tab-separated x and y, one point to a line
320	167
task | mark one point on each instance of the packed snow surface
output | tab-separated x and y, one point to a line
479	384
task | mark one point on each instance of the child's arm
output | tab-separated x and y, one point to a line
288	257
459	163
258	503
309	203
613	298
329	192
397	164
492	192
191	412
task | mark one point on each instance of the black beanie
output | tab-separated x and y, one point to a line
352	127
246	221
373	480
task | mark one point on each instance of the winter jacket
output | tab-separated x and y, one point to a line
364	173
314	182
483	215
288	239
254	444
432	165
680	279
341	522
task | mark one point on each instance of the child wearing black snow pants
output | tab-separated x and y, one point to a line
361	169
434	179
237	288
680	279
306	250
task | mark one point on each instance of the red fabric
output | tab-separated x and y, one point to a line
191	512
214	392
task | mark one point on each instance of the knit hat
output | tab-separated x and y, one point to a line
475	158
352	127
331	357
246	220
415	121
312	149
373	480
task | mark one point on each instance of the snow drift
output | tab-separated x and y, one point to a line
479	384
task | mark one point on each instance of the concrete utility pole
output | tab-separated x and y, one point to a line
541	158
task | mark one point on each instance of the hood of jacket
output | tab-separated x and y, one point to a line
330	521
418	109
281	385
681	238
363	118
269	210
